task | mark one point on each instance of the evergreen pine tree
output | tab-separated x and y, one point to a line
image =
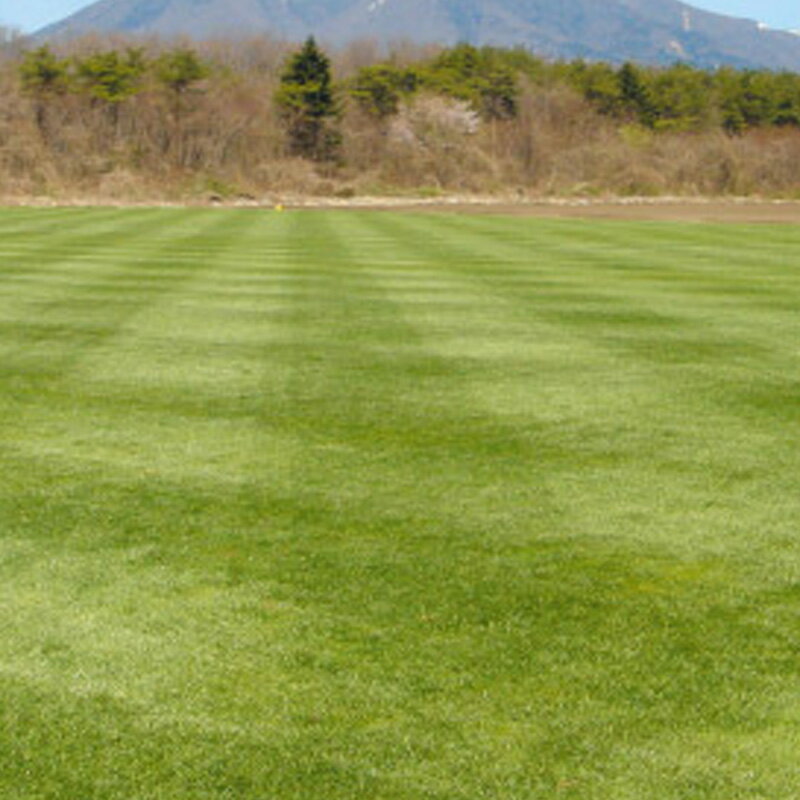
307	104
634	95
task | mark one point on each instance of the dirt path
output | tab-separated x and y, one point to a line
678	209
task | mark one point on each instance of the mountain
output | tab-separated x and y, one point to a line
650	31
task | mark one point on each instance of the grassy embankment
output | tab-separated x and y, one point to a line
323	505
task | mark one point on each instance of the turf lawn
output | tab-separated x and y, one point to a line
315	506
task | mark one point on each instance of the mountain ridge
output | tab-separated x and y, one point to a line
648	31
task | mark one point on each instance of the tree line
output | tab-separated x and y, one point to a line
226	115
677	97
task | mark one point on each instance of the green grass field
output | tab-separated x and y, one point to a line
315	506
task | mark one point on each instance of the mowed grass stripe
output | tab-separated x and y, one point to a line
51	272
702	569
667	323
133	654
49	408
24	225
66	234
110	681
59	322
629	363
195	374
111	336
362	389
353	506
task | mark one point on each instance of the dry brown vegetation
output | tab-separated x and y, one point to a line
226	141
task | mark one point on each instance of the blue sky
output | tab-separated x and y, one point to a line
778	13
31	14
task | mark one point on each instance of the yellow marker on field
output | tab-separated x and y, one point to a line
279	207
